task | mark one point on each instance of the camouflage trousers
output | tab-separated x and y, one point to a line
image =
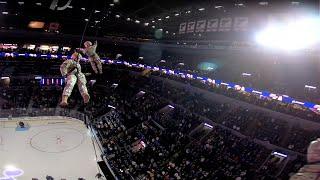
80	79
96	64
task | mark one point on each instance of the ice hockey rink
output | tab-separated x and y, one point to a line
61	147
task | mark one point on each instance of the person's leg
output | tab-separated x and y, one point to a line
98	61
82	85
93	65
71	81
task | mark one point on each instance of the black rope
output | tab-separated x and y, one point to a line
85	28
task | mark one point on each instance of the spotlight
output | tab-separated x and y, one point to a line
128	19
201	9
296	35
117	16
167	17
177	14
137	21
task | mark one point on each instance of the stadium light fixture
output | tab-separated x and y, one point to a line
177	14
295	35
117	16
96	11
38	3
167	17
128	19
218	7
263	3
21	2
111	5
159	19
208	125
5	12
3	2
201	9
153	21
137	21
146	24
83	9
310	87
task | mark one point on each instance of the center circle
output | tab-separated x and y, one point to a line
57	140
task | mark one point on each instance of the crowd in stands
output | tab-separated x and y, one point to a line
151	129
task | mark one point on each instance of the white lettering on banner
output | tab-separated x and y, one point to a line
201	26
54	5
225	24
241	24
183	27
191	27
212	25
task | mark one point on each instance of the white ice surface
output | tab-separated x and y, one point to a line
62	150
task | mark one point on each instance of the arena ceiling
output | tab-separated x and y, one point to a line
120	17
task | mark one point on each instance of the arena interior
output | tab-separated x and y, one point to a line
159	90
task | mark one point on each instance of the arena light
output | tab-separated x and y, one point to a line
96	11
36	24
5	77
111	5
38	3
109	106
295	3
177	14
3	2
146	24
246	74
83	9
159	19
118	16
21	2
263	3
201	9
137	21
153	21
167	17
208	125
310	87
5	12
294	35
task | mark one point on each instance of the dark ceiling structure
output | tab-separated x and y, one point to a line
137	18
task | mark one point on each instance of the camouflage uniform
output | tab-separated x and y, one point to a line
310	171
72	70
94	59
